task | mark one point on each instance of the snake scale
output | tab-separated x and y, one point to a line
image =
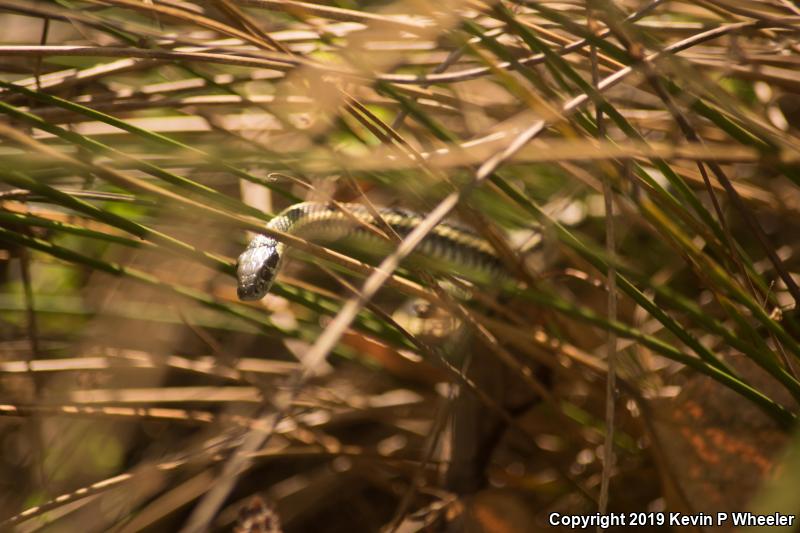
448	248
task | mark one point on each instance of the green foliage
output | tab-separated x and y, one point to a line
128	194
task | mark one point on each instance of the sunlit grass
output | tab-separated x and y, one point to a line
141	141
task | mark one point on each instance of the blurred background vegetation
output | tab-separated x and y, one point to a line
634	163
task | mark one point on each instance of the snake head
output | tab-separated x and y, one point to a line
257	268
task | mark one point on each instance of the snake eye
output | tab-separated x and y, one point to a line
272	261
265	273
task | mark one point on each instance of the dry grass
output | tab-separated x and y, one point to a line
139	141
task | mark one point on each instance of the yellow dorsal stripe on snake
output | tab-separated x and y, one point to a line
447	249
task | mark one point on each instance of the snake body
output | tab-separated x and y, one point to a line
448	248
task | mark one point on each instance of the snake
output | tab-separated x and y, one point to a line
448	248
